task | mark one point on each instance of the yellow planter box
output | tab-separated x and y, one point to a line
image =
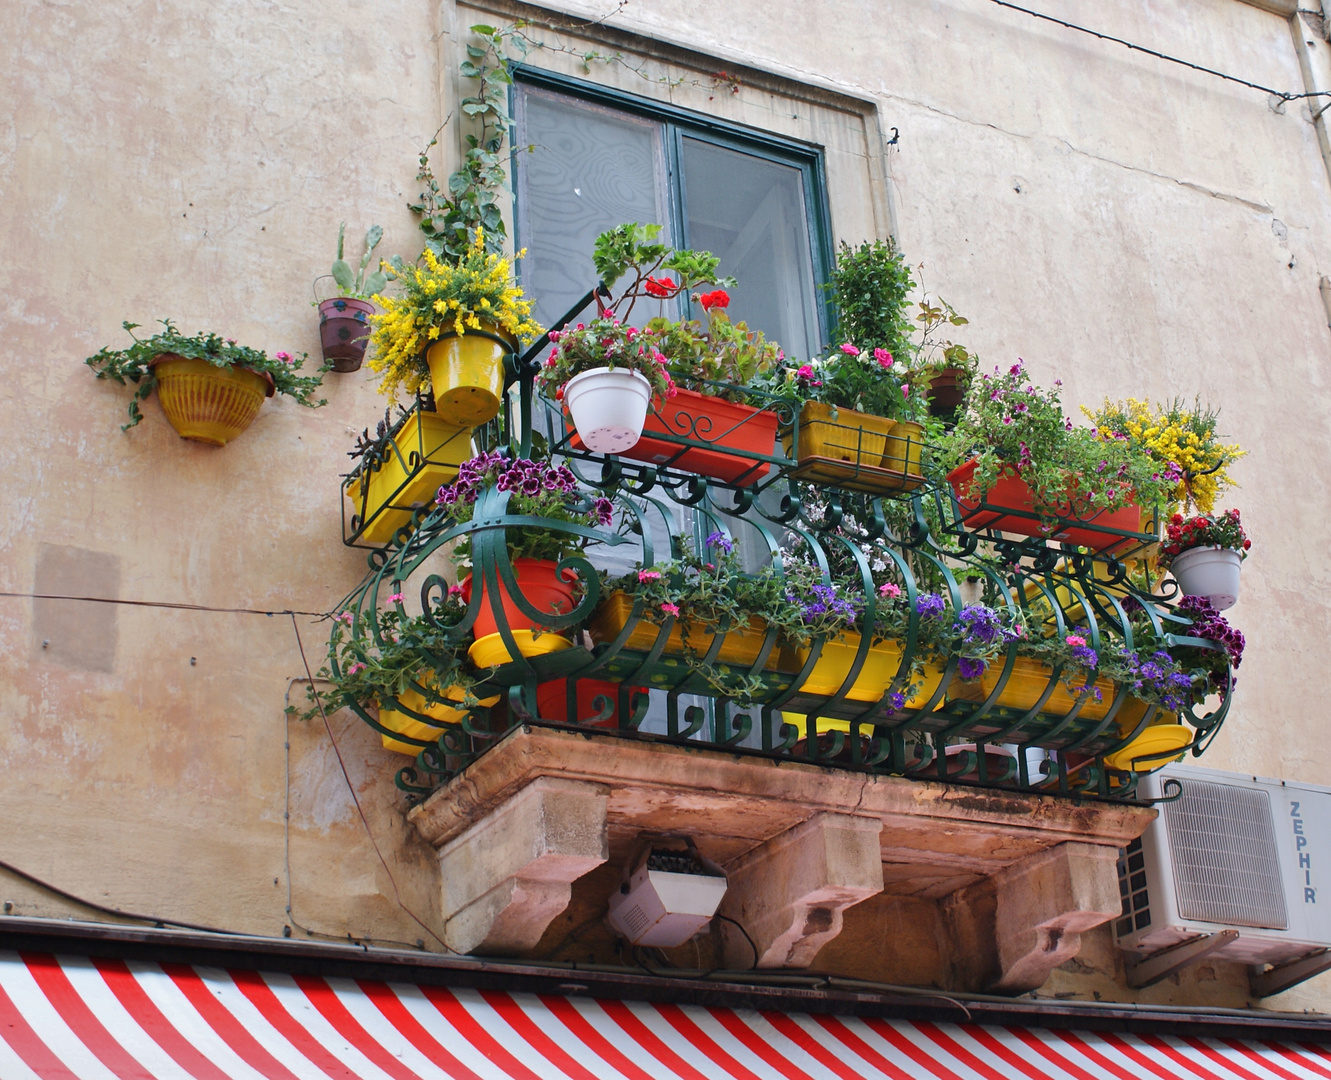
1163	739
412	728
490	651
1027	682
429	451
207	403
826	431
740	647
905	447
881	665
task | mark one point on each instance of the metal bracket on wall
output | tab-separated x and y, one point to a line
1161	965
1280	978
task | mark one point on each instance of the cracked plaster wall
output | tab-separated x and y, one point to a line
1128	225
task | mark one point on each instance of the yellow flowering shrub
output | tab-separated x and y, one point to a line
1175	433
442	298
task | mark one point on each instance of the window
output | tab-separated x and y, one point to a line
599	158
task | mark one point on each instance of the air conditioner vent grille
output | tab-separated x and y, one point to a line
1132	887
1222	842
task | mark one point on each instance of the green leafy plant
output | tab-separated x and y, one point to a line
635	252
1204	530
356	282
450	215
871	286
370	663
720	358
135	364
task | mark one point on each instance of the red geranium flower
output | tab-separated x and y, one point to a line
716	299
661	288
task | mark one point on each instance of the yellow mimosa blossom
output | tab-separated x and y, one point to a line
442	298
1173	433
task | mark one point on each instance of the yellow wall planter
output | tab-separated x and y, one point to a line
903	452
740	647
406	725
467	374
1161	739
1027	682
207	403
430	446
881	665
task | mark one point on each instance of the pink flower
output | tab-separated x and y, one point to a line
905	390
285	357
889	590
1015	369
346	617
396	598
883	357
555	335
670	609
850	349
455	590
356	668
649	575
1075	640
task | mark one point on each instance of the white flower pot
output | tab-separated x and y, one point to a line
608	407
1212	572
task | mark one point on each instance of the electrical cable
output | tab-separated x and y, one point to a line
727	918
352	789
1283	95
165	604
156	920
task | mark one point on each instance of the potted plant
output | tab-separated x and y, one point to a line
607	375
449	330
408	669
683	604
344	328
1017	464
1055	674
1205	553
401	468
535	489
209	387
705	425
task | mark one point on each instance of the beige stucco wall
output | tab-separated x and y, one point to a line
1127	225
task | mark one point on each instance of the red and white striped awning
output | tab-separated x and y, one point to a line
71	1017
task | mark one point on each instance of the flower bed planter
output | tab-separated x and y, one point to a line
423	455
856	450
1024	687
719	437
344	331
740	647
1212	572
543	588
467	375
881	664
207	403
608	407
552	699
1011	493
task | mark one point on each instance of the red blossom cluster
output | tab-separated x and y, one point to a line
1225	531
661	288
718	298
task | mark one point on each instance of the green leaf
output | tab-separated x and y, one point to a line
341	232
475	52
375	283
469	70
343	276
373	235
481	28
472	108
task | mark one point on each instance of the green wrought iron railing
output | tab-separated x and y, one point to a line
627	676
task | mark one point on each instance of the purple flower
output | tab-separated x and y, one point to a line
970	669
898	700
930	605
719	539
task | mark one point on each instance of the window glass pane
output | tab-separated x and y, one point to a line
590	169
750	211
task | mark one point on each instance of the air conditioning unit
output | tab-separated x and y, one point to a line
1231	853
666	897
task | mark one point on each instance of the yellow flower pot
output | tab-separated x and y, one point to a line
826	431
467	375
1163	739
490	651
903	451
1024	686
740	647
412	728
881	665
207	403
429	451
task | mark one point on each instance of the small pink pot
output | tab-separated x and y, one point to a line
344	331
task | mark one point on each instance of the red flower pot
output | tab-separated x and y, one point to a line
1011	492
541	586
708	423
552	699
344	331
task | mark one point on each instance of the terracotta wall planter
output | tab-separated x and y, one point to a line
344	331
542	587
207	403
